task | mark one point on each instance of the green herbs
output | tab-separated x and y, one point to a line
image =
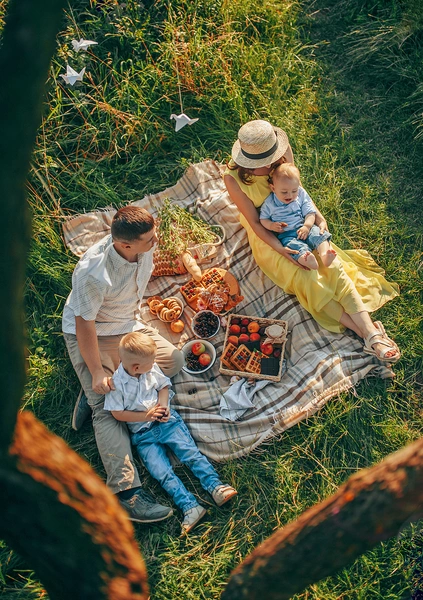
178	229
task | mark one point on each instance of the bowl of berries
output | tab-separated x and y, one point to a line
200	356
205	324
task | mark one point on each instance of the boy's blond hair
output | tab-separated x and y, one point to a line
285	170
138	343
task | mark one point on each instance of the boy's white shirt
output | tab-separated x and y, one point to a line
136	393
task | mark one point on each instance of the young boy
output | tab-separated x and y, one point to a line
289	212
141	399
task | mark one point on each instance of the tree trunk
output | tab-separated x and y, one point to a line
55	511
59	515
370	507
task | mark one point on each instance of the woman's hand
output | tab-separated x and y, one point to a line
323	226
287	253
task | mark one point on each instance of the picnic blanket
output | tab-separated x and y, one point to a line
320	365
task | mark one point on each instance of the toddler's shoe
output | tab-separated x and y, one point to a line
192	517
223	493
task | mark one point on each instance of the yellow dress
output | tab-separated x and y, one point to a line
353	282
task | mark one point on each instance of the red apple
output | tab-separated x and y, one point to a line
198	348
267	349
204	359
235	329
245	322
244	338
233	339
255	337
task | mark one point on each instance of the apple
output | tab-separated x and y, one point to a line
198	348
267	349
255	337
253	327
245	322
204	359
233	339
244	338
236	329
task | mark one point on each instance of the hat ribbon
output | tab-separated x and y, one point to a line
272	150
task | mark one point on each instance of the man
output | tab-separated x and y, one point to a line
108	285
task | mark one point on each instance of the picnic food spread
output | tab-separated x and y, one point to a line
217	290
254	347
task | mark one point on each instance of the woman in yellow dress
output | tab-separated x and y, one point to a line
339	296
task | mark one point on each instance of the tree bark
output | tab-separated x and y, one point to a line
28	43
59	515
370	507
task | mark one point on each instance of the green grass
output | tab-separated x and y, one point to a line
344	80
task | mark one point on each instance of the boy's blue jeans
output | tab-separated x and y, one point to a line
151	445
315	238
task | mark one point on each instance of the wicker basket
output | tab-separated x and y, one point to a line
263	323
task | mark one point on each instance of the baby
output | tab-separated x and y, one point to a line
141	399
290	212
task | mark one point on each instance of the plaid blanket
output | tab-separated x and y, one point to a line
319	364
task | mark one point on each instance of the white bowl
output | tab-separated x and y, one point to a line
194	322
181	304
210	349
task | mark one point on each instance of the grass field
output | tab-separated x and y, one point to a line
344	79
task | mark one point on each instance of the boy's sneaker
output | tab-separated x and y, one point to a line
142	508
192	517
81	412
223	493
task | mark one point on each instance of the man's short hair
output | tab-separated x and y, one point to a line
130	222
140	344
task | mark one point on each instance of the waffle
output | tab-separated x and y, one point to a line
212	277
227	355
190	290
254	364
241	357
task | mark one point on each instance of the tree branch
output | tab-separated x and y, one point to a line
370	507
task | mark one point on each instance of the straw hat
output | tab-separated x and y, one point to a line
259	144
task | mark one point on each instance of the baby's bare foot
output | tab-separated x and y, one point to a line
329	257
308	260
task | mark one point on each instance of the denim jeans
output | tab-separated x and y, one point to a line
151	446
314	239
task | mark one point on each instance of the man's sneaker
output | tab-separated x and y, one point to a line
81	412
223	493
142	508
192	517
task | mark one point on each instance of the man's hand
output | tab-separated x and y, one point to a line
302	233
102	383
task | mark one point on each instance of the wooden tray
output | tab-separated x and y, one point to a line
227	277
263	322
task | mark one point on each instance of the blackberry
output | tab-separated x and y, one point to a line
192	363
206	324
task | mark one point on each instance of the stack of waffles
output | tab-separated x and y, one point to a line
210	293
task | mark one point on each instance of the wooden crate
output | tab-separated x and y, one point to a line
263	323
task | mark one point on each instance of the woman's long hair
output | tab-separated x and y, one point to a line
247	175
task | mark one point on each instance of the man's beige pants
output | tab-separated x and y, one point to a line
112	437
